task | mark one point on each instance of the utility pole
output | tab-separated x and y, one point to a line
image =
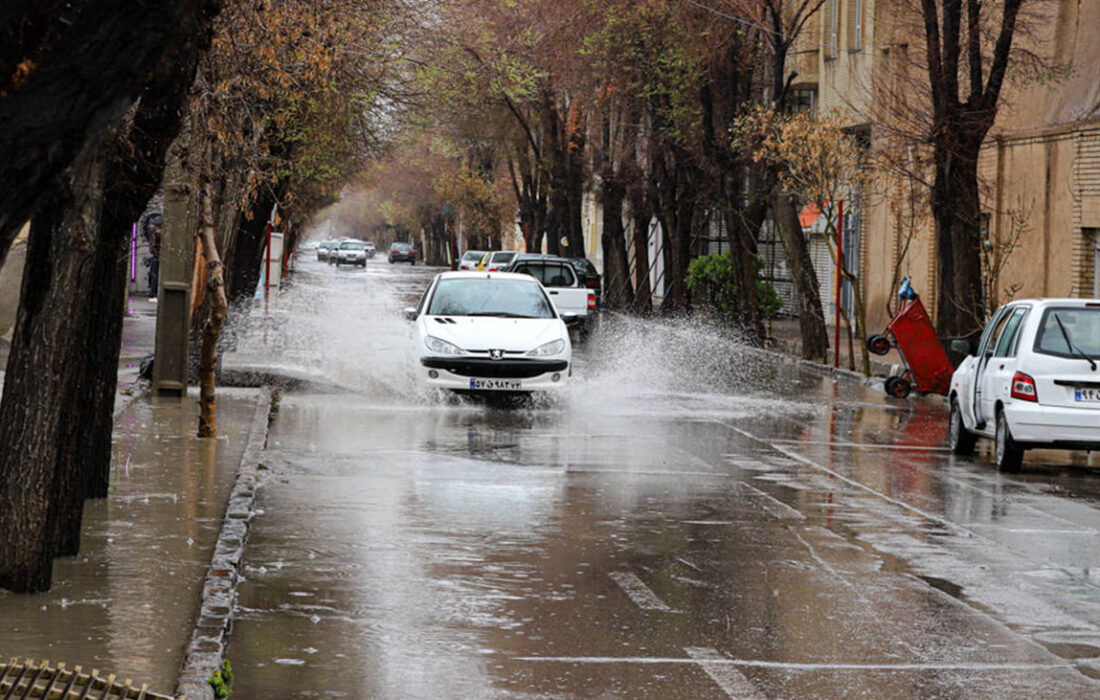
177	262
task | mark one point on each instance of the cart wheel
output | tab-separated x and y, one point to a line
878	344
898	387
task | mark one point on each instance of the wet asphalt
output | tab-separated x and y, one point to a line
690	519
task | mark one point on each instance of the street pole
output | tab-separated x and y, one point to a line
839	280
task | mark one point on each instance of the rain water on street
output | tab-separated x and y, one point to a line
690	519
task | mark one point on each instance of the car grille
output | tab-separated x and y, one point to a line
495	369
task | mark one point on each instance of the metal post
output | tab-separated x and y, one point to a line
839	280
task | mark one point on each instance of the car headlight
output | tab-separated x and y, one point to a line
554	347
441	346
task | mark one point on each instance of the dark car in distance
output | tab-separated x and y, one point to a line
402	252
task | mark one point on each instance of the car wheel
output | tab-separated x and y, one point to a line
1007	454
959	439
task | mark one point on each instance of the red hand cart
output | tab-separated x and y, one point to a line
911	332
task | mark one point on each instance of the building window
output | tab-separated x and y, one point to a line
802	100
855	25
831	28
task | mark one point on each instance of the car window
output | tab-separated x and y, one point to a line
1082	325
353	245
503	258
558	275
1010	337
533	269
993	332
490	297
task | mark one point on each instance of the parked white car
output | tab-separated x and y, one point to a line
1033	382
490	332
471	259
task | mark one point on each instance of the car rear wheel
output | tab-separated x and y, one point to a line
1007	453
960	440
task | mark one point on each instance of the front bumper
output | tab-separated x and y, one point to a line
1053	426
464	373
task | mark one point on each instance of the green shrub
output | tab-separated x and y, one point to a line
710	279
222	680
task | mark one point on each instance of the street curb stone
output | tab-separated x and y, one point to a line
210	636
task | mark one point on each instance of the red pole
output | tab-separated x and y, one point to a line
267	263
839	280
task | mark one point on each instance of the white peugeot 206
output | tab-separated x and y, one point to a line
1034	381
490	332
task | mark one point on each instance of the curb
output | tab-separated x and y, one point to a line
210	636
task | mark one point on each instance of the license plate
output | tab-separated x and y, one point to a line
1086	395
495	384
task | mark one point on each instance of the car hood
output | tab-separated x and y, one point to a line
489	333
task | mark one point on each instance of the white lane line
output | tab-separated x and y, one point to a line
645	472
775	507
732	682
688	564
639	592
864	445
794	666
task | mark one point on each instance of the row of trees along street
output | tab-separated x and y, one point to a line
473	112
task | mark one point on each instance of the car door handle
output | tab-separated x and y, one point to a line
1002	366
552	292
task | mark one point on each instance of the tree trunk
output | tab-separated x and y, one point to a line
99	56
960	311
617	291
641	215
743	223
811	319
215	308
41	492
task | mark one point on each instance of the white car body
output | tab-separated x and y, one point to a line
470	260
1026	387
350	252
464	350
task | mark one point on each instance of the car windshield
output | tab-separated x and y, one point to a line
401	246
489	297
1082	325
353	246
472	255
503	258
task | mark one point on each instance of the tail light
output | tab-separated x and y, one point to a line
1023	388
492	269
591	301
592	283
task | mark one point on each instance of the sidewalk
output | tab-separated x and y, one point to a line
128	603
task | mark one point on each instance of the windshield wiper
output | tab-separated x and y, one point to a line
1074	348
498	314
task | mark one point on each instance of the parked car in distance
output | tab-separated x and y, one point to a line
497	260
402	252
371	249
1032	382
470	259
574	301
323	249
490	333
350	252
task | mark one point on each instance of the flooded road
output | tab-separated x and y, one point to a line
691	519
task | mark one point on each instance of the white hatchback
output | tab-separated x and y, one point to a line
1033	382
490	332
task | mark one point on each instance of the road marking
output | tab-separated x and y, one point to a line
732	682
794	666
865	445
775	507
639	592
688	564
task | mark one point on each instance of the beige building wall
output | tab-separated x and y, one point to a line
1040	167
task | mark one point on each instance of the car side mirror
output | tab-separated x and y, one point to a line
410	314
962	346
